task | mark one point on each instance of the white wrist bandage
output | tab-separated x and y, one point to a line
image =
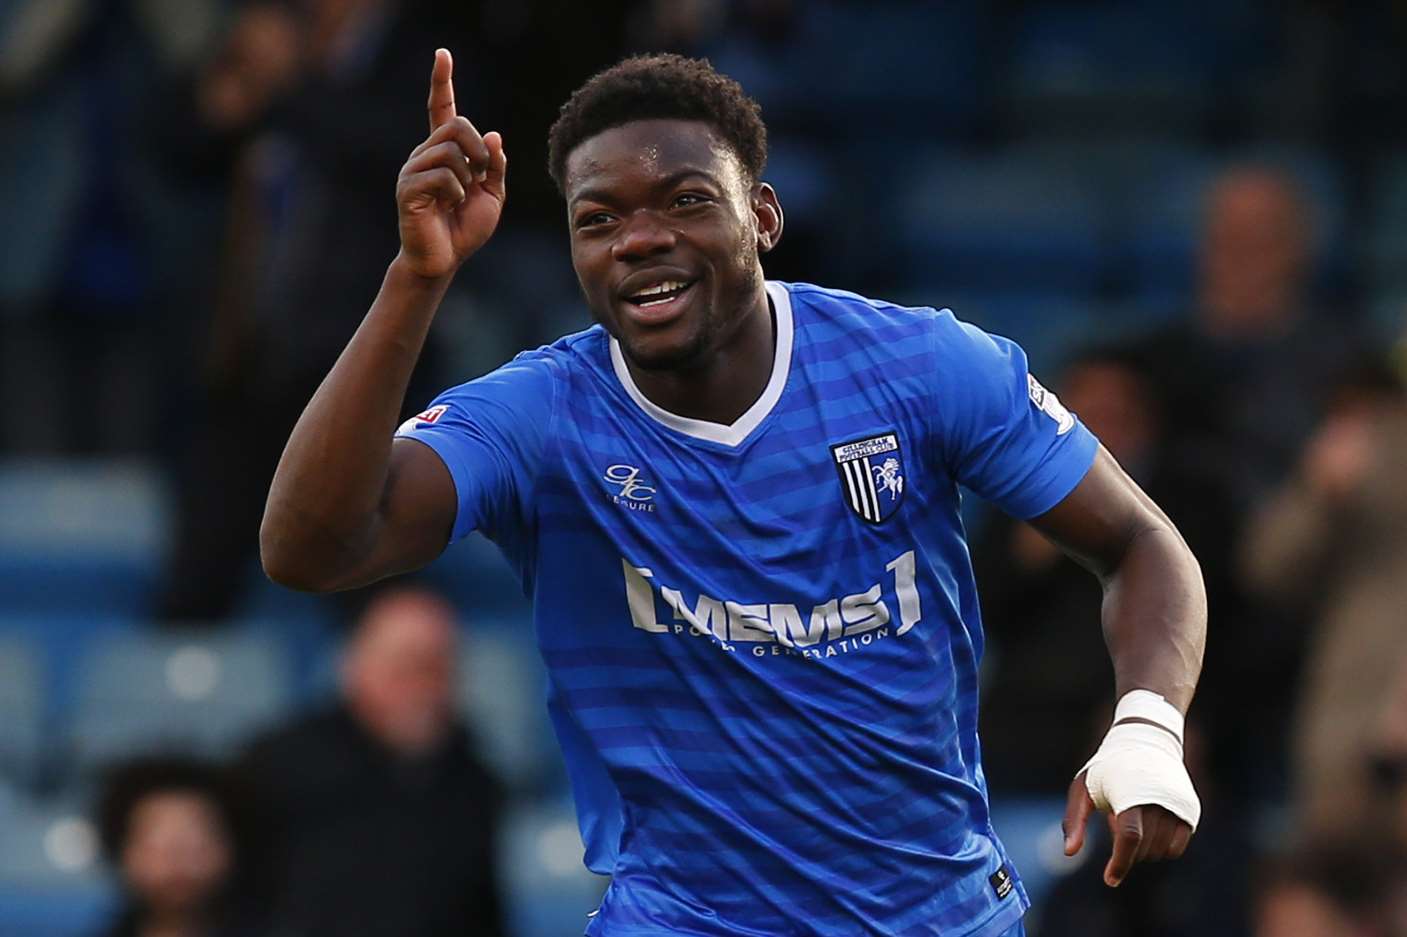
1140	764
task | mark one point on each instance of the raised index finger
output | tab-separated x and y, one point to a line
441	103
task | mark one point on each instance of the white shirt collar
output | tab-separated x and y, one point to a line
731	434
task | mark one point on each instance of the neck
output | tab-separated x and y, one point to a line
729	382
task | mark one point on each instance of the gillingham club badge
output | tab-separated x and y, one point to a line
871	475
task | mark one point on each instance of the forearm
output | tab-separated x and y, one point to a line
1155	616
323	504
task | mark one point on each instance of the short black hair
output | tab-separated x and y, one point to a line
128	783
661	86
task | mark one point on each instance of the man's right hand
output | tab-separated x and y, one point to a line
451	190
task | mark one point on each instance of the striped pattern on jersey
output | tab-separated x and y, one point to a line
763	650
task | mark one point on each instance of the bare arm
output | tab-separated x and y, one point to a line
348	505
1155	623
1155	607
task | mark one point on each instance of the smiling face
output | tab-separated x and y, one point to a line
666	229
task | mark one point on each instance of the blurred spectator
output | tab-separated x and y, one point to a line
171	828
1050	671
1334	889
328	94
1203	894
1241	385
379	819
1242	379
1333	541
80	339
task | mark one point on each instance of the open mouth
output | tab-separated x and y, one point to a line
660	294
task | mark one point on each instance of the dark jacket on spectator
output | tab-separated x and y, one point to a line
358	842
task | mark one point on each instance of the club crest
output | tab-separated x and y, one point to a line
871	475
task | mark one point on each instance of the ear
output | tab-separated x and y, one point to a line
767	211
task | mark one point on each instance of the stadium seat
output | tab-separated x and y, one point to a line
898	71
999	221
1135	67
50	882
59	644
849	74
503	698
22	707
803	177
79	538
204	693
549	892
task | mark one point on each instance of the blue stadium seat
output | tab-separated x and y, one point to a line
22	708
80	538
549	892
503	697
154	691
1136	66
59	643
803	177
1003	221
853	73
1159	224
899	71
51	884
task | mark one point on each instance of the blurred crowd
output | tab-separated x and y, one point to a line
368	816
1194	216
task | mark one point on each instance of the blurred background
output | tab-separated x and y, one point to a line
1192	215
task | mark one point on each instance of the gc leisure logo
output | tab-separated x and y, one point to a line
631	493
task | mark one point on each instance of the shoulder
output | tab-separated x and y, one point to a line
532	376
548	362
844	310
833	313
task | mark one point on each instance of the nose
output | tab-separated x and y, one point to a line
642	235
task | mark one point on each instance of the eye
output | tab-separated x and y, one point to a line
593	219
689	200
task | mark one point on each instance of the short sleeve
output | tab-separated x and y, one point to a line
490	433
1003	435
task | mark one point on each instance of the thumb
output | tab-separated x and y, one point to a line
1078	807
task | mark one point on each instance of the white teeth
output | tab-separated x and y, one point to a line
665	287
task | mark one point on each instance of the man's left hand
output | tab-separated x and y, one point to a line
1145	833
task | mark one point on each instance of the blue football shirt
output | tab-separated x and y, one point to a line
762	639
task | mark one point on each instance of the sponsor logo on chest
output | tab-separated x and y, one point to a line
829	628
628	489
